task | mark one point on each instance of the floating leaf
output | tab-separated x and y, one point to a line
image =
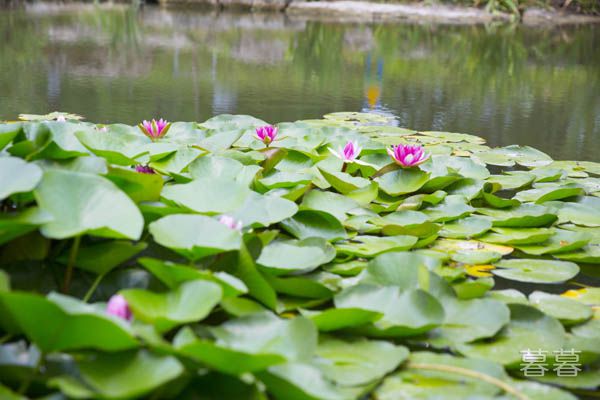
194	236
537	271
82	203
17	176
296	255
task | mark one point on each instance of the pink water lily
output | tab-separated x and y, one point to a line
155	129
144	169
408	156
230	222
266	134
349	153
118	306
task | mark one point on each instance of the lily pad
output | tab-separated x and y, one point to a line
296	256
17	176
537	271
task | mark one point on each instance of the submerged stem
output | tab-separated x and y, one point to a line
92	288
71	264
472	374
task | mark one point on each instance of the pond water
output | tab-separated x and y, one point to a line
510	84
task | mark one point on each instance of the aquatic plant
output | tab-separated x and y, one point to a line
155	129
266	134
452	277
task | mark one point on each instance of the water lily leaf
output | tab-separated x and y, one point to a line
357	362
422	381
405	312
190	302
8	132
252	343
138	186
222	168
15	225
311	223
515	236
402	181
566	310
550	192
194	236
584	212
173	275
523	216
538	271
223	197
454	137
82	203
468	289
466	228
177	162
370	246
563	241
285	179
454	245
119	375
499	202
451	208
120	144
296	381
340	318
17	176
477	257
295	256
469	320
333	203
407	222
315	286
90	164
56	140
407	270
343	182
512	181
528	329
589	254
589	296
63	323
103	257
264	210
522	155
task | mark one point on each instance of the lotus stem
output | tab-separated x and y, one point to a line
71	264
27	382
472	374
92	288
344	166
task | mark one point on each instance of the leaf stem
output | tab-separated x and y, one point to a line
472	374
71	264
92	288
27	382
344	167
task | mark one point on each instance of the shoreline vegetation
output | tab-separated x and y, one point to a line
549	12
337	258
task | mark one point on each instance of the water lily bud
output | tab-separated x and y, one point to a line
117	305
266	134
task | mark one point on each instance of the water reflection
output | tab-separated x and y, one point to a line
510	84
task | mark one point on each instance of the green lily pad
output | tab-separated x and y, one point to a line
119	375
550	192
190	302
15	225
402	181
312	223
466	228
537	271
194	236
120	144
516	236
17	176
340	318
523	216
295	256
82	203
370	246
333	203
562	241
357	362
63	323
566	310
529	329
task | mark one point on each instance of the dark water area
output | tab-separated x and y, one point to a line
538	86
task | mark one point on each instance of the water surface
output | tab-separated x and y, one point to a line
509	84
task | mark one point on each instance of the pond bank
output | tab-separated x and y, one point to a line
367	11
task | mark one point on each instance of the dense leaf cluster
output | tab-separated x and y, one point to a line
343	282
